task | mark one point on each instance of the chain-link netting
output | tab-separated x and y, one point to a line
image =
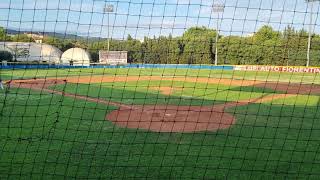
159	89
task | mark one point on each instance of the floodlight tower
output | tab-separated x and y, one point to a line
217	8
108	9
310	29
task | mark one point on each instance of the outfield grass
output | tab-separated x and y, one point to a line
145	92
50	136
248	75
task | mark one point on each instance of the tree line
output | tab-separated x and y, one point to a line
197	46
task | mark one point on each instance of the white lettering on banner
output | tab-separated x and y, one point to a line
291	69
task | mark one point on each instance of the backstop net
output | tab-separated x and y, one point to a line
159	89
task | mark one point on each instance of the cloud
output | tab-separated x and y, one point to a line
192	2
4	5
206	10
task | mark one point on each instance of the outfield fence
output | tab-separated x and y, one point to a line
262	68
152	66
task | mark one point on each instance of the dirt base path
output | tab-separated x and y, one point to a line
171	118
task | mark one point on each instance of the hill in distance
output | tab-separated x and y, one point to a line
55	34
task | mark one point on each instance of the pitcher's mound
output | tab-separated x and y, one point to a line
172	118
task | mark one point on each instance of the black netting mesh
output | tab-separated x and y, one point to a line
159	89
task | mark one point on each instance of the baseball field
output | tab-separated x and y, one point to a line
159	123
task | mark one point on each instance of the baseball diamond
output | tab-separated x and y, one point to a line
159	89
170	118
161	101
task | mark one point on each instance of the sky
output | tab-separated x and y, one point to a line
150	18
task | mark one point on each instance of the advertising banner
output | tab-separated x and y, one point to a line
113	57
291	69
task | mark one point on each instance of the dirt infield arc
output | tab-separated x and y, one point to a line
171	118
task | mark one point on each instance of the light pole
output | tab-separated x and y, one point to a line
217	8
108	9
310	30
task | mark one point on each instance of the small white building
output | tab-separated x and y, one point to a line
76	57
113	57
29	52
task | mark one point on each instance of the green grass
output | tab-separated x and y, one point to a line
186	93
249	75
47	136
70	138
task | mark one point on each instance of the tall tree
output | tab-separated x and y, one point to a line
2	34
198	45
266	33
22	38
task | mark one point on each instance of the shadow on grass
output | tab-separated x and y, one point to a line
132	96
267	140
142	95
255	89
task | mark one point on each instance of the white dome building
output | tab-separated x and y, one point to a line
23	51
76	57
